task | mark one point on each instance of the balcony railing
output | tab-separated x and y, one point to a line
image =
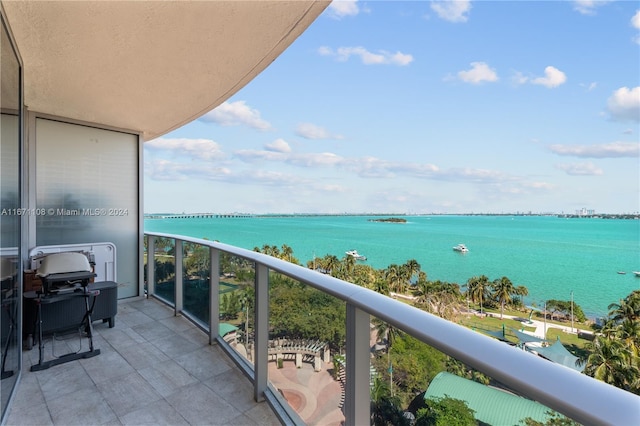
577	396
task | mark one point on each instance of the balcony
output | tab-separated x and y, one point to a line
154	368
162	363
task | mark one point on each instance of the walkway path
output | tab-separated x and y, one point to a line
315	396
542	327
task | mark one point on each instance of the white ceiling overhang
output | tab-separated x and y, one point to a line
148	66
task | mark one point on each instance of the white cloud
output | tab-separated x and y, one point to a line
297	159
478	73
519	78
382	57
553	77
452	10
236	113
635	20
607	150
311	131
166	170
279	145
591	86
203	149
624	104
338	9
588	7
322	159
581	169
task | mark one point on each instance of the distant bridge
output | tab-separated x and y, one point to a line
196	216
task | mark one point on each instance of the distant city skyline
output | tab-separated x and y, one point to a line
420	108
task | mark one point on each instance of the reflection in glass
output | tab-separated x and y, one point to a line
165	269
10	137
196	261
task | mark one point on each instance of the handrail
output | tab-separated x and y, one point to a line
563	389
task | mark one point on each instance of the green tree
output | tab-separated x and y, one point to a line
331	265
503	289
554	419
394	277
614	355
612	361
478	289
412	268
446	411
196	261
414	363
565	307
628	308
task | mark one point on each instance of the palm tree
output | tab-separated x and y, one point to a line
478	289
412	268
502	291
380	285
628	308
331	264
393	276
386	332
348	266
422	291
286	253
611	361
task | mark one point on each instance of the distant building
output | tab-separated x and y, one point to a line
585	212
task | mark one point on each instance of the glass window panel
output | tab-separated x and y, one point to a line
87	182
10	253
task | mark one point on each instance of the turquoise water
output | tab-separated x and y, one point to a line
551	256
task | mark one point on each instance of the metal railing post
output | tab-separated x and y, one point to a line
214	291
261	332
357	388
178	278
151	265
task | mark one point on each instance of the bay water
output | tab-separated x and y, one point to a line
552	256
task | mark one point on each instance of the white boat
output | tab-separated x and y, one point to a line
355	254
461	248
636	273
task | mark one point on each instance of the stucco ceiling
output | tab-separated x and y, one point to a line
148	66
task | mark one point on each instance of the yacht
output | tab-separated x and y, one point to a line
461	248
636	273
355	254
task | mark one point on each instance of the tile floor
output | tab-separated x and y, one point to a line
153	369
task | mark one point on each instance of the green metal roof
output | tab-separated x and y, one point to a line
225	328
491	406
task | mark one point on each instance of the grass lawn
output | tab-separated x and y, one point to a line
537	316
495	324
571	341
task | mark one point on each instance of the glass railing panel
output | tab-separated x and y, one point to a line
196	260
306	346
165	268
236	303
145	261
414	382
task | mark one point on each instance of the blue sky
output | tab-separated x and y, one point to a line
424	107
